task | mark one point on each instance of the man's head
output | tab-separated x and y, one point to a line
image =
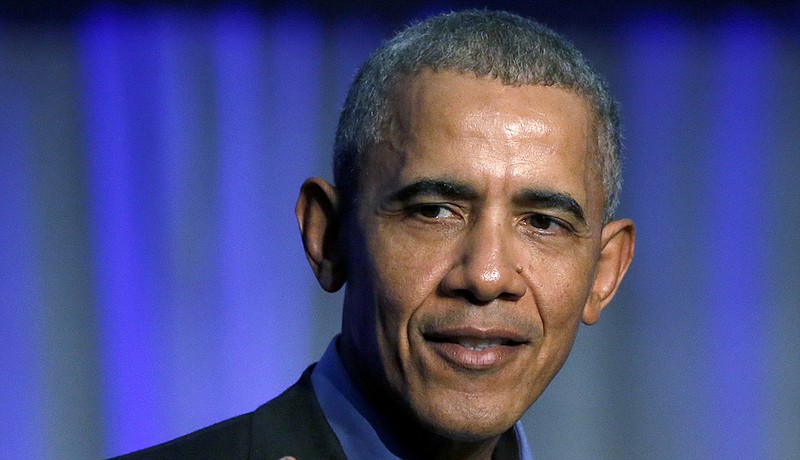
514	50
480	233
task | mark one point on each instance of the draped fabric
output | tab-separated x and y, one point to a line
152	279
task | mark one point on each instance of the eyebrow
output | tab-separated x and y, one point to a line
435	187
550	199
540	198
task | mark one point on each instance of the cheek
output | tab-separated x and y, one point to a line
409	268
561	293
404	282
406	275
561	287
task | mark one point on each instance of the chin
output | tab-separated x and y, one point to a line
469	423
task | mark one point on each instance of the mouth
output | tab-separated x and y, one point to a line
476	349
473	343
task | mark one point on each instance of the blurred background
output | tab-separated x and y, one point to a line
152	280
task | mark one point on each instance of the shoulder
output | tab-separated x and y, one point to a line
291	424
226	439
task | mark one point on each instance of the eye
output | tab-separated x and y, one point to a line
545	222
431	211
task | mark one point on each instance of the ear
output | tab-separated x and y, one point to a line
318	218
617	243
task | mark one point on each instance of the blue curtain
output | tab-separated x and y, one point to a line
152	279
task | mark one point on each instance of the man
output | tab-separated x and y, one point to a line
477	172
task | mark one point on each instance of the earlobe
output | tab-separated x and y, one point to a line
318	218
616	252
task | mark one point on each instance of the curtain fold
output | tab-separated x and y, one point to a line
152	278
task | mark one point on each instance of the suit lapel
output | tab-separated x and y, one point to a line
294	424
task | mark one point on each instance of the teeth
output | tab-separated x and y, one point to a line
473	344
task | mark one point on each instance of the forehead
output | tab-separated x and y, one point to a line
445	123
445	97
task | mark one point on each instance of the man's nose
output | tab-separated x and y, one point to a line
487	267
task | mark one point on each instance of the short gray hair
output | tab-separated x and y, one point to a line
515	50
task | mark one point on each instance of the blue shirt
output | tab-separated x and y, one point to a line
358	426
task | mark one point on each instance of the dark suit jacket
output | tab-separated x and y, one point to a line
291	424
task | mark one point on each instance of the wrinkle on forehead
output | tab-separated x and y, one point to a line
514	128
523	128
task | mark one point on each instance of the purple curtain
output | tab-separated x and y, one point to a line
152	279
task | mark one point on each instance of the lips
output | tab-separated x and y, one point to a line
474	348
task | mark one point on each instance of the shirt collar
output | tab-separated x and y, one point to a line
358	426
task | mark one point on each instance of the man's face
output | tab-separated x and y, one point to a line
474	250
